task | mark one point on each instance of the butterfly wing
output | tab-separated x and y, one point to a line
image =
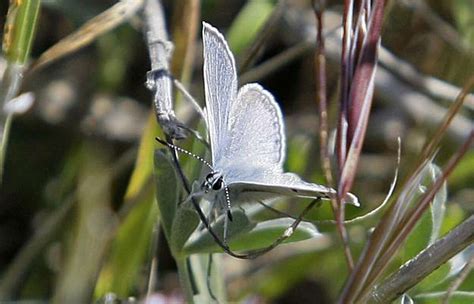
220	84
256	131
245	178
284	184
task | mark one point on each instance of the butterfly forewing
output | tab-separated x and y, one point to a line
220	84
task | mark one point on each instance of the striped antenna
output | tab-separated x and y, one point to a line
199	158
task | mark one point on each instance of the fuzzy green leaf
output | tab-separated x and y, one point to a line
184	224
167	190
245	235
203	241
265	233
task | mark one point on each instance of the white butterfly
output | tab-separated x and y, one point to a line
247	139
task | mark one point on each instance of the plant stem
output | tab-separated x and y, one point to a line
4	142
17	40
185	279
424	263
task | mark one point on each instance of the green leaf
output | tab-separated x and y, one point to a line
419	238
184	224
438	206
120	271
129	250
93	229
167	190
267	232
245	235
463	175
428	228
246	25
203	242
144	162
434	279
462	10
20	30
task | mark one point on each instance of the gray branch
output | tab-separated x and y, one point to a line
424	263
159	79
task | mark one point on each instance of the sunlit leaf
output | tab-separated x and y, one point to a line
144	162
20	30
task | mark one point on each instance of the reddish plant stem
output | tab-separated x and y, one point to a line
341	145
321	94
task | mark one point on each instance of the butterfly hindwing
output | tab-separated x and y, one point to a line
256	131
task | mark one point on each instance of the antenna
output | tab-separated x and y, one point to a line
174	147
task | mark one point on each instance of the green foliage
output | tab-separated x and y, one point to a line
122	268
247	24
464	19
121	273
20	30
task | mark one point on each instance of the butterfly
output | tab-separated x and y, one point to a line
247	138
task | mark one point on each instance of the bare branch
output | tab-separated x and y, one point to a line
159	79
424	263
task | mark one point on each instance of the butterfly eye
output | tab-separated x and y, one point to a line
217	185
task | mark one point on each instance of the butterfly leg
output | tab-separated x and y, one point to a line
195	193
211	215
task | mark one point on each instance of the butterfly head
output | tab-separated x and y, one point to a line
213	181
